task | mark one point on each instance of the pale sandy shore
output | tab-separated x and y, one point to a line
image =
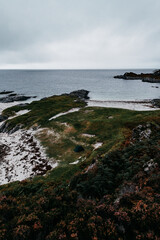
7	105
131	105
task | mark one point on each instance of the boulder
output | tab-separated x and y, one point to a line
78	148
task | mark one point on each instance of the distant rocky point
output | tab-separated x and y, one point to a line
13	97
82	94
145	77
6	92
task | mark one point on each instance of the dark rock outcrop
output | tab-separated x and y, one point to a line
6	128
22	105
6	92
156	103
78	148
145	77
82	94
14	98
3	118
3	150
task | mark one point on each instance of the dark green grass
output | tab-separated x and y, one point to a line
41	111
109	126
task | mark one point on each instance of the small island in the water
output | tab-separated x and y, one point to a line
145	77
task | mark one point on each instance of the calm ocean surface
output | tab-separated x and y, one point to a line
100	83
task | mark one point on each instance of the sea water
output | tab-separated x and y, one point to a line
101	83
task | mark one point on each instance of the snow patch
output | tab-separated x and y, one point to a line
22	112
97	145
65	113
88	135
76	162
24	158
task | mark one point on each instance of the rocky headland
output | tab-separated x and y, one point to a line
13	97
79	172
145	77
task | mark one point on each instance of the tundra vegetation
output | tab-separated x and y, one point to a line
107	192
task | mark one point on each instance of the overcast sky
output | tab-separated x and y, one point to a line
79	34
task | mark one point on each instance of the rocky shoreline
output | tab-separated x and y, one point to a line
145	77
13	97
21	154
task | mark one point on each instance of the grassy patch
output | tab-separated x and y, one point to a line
86	127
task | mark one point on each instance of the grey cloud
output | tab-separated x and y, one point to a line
60	33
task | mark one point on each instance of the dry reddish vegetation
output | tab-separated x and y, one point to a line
116	197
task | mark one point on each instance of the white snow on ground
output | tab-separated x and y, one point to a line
61	114
131	105
88	135
24	158
76	162
19	113
97	145
8	105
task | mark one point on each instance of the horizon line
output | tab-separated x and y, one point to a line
76	69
